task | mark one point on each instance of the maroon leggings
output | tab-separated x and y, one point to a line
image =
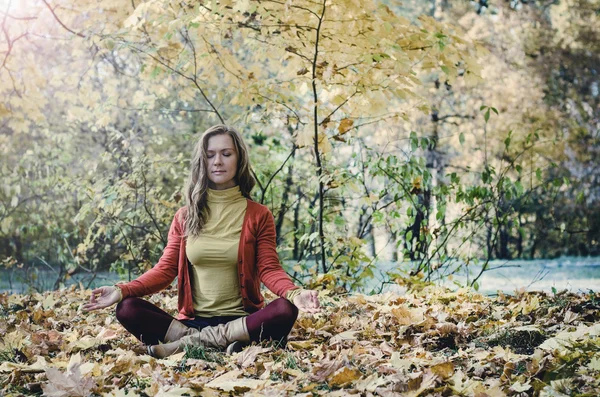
149	324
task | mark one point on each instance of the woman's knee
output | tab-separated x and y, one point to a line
285	310
126	309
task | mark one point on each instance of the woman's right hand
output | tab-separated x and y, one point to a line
103	297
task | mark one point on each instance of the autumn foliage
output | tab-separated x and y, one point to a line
428	343
433	135
436	133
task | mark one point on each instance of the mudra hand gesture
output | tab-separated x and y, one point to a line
308	301
103	297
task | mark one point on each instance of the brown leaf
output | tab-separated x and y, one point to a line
344	376
443	370
446	329
345	126
325	369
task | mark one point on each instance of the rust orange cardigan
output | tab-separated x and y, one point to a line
257	261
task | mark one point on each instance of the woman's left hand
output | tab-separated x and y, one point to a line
308	301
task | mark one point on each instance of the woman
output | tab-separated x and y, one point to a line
221	245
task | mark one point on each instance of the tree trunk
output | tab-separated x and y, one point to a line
394	239
520	239
296	251
488	241
371	236
283	209
421	218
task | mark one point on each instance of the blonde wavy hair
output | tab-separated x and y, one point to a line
197	186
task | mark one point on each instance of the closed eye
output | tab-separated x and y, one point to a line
211	154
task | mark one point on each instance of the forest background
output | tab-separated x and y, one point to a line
436	134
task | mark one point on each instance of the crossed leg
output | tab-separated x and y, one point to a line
274	321
143	320
149	323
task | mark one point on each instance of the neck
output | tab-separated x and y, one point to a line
224	195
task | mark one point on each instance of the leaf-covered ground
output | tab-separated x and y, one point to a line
429	343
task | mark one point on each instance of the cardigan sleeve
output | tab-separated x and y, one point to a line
164	272
270	272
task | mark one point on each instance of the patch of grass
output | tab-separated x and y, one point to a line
203	353
520	368
285	356
275	344
559	298
324	387
8	355
290	361
138	384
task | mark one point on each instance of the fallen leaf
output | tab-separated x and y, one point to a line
443	370
445	329
300	344
406	316
247	356
594	364
122	393
39	366
427	382
325	369
371	383
344	376
107	334
402	364
85	343
48	302
342	336
71	383
520	387
232	382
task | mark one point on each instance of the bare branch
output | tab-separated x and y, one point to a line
338	108
60	22
282	104
256	179
158	228
192	79
316	138
264	190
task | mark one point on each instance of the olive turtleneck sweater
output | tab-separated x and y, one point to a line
214	253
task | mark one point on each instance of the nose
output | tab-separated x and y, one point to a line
218	159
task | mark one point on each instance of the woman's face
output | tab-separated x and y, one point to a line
222	162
